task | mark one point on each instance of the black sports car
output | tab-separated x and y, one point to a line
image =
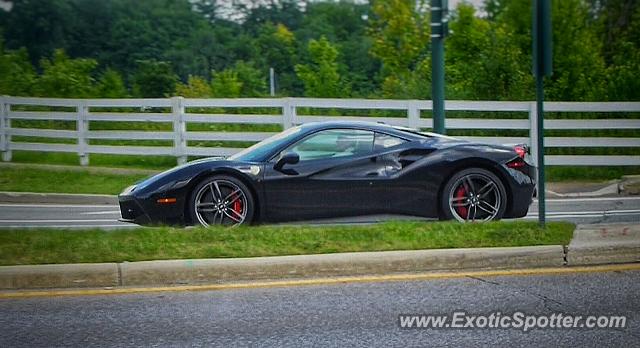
334	169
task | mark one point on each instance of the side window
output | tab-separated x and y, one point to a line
384	141
333	143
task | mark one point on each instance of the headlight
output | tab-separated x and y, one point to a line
253	170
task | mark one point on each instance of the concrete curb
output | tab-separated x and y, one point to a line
607	243
57	198
89	275
174	272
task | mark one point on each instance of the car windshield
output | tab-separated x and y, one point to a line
258	151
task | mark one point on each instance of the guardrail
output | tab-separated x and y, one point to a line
288	112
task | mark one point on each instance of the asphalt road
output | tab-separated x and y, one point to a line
354	315
581	210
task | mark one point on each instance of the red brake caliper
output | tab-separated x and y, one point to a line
237	205
461	193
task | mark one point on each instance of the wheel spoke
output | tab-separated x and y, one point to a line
458	199
463	204
471	187
486	189
471	216
231	195
237	220
488	207
215	183
213	194
241	216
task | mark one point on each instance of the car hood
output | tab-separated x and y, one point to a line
183	172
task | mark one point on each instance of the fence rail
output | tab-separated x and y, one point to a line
180	112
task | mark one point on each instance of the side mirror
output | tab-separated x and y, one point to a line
286	158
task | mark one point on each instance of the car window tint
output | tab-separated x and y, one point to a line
334	143
384	141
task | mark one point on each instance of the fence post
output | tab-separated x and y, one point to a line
288	113
533	132
5	126
82	126
413	114
179	130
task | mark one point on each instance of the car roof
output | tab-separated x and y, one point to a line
364	125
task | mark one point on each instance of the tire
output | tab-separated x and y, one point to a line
473	194
221	200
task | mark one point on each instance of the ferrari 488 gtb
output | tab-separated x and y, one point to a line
338	169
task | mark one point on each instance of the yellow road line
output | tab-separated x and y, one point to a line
321	281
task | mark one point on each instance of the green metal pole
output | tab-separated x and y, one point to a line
540	124
437	65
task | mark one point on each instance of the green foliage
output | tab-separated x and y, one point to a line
579	68
16	72
154	79
276	48
621	37
196	87
254	82
111	85
226	84
320	76
65	77
484	61
149	46
400	32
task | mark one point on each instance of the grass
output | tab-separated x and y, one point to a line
588	173
23	179
46	246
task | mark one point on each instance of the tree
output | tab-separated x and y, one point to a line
39	25
110	85
154	79
401	33
253	81
483	61
320	76
621	35
16	72
225	84
196	87
64	77
276	48
578	66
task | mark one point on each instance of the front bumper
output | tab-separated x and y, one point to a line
131	211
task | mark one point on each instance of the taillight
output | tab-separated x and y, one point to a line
521	150
516	163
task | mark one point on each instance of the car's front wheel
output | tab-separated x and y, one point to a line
221	200
473	194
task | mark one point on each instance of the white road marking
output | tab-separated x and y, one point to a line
29	205
621	211
54	221
590	199
101	212
67	226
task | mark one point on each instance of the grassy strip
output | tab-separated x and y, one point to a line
588	173
21	179
42	246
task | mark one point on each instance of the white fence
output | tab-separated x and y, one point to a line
180	112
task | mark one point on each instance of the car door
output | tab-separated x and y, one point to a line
334	177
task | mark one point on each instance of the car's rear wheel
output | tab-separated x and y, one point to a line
221	200
473	194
